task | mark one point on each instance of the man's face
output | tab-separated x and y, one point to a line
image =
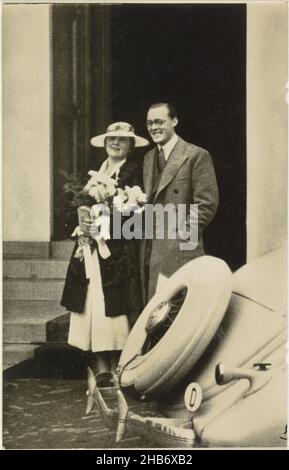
160	126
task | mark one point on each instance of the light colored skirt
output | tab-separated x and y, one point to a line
91	330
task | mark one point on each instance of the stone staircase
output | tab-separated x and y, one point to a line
32	287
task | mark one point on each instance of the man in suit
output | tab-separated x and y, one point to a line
175	172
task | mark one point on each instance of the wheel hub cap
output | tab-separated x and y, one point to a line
157	316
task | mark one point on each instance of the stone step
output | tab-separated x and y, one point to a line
56	249
23	250
24	289
61	249
34	268
26	309
27	331
15	353
26	249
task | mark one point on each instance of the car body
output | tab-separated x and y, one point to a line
235	395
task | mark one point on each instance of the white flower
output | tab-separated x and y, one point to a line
97	177
88	185
142	198
95	192
111	189
92	172
122	195
135	195
120	199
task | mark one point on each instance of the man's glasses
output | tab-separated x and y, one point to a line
157	122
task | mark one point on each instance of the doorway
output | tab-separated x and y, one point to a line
111	62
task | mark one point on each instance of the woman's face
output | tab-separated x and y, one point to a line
117	147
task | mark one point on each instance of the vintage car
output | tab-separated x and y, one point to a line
209	350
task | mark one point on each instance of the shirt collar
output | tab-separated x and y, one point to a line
168	147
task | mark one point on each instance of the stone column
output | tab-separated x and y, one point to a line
26	123
267	173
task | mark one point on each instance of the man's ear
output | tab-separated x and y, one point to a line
175	121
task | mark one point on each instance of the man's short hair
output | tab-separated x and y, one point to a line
171	108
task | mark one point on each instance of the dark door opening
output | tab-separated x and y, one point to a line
121	58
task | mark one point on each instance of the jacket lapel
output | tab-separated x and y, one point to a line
175	161
148	172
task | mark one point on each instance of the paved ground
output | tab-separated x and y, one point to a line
49	414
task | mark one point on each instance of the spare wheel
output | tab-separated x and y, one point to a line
175	328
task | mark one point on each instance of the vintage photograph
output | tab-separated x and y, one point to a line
144	172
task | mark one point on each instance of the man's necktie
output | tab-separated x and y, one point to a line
161	159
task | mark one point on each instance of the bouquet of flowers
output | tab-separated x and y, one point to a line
94	202
103	189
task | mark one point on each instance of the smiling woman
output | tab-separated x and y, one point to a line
118	148
105	300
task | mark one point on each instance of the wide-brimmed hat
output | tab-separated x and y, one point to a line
119	129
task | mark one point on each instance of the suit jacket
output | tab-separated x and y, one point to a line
188	178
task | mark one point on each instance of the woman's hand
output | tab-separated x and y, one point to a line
86	226
84	240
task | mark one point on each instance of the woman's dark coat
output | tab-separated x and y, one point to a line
119	273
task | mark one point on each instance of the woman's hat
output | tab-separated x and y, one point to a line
119	129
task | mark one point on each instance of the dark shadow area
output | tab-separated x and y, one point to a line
51	361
